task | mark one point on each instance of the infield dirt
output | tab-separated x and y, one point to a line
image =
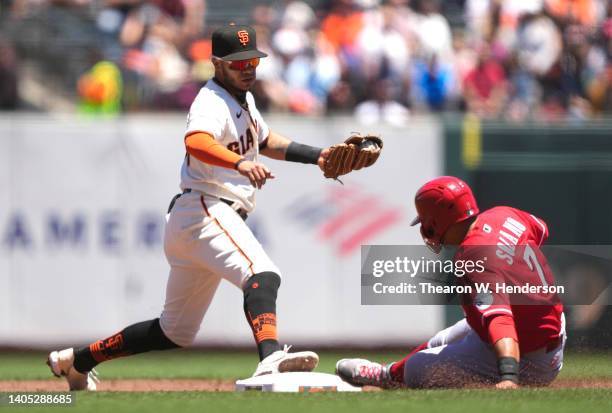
149	385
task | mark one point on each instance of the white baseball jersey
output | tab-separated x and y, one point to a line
216	112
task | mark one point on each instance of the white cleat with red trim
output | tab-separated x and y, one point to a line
362	372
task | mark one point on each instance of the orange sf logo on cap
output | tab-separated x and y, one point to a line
243	36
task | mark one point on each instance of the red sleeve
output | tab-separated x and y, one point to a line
539	229
205	148
501	326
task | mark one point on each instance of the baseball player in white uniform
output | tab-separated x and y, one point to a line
206	239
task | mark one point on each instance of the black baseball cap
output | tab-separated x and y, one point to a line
235	42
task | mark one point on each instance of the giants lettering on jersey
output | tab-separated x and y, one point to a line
242	146
508	239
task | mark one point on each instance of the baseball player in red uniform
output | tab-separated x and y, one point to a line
498	342
206	239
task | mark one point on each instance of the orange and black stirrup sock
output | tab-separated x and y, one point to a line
260	309
137	338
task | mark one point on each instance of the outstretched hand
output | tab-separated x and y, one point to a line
257	173
506	384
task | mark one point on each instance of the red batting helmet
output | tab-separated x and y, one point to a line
441	203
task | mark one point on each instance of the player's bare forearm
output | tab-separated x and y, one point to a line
506	349
276	146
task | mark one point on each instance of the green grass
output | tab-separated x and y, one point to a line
232	365
443	401
183	364
186	364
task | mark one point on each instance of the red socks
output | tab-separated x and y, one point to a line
397	369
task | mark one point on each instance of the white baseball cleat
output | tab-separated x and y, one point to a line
362	372
282	361
61	365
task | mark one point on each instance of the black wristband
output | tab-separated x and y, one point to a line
297	152
508	369
238	163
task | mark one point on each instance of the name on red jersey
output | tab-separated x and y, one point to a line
508	239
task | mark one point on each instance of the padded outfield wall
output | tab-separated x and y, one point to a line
82	214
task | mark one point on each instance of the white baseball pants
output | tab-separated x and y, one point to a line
456	357
205	241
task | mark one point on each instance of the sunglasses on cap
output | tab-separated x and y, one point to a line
244	64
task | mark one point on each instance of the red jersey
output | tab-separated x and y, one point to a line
510	239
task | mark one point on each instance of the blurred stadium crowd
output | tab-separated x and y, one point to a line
382	60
